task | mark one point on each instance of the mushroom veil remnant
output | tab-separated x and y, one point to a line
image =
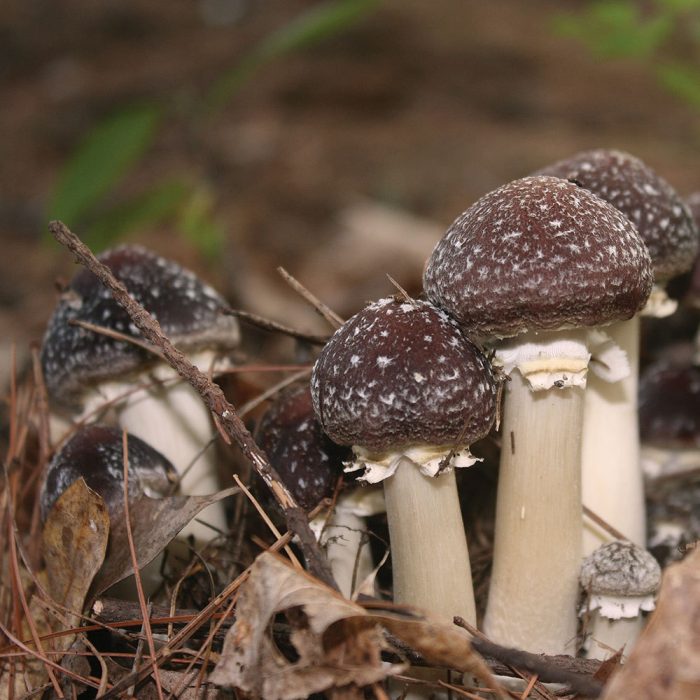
88	370
535	266
612	481
402	385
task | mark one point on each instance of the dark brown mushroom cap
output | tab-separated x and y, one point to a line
539	253
620	569
95	453
189	312
399	374
669	406
653	206
307	460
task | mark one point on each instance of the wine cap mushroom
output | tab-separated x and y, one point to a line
538	253
189	312
654	207
95	453
401	375
306	459
621	579
402	385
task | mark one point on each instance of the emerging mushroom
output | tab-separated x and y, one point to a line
402	385
612	483
89	370
310	464
95	454
620	580
540	262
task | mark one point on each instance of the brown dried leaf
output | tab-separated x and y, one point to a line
74	545
337	641
155	522
338	645
664	662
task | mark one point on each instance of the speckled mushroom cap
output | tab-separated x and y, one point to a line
539	253
653	206
669	406
95	453
188	310
307	460
620	569
401	374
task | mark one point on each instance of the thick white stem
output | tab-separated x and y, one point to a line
173	420
430	559
347	549
537	553
612	481
607	636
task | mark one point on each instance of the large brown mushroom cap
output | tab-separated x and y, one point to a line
189	312
401	374
539	253
653	206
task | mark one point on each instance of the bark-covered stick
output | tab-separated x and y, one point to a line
211	394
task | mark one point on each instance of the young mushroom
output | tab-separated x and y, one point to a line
90	371
612	482
402	385
620	581
535	266
310	464
95	454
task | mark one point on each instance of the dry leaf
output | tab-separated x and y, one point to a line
665	664
74	544
155	522
338	642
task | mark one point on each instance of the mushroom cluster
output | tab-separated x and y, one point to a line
532	298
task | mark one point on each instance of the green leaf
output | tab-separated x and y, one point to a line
101	160
314	25
151	207
682	80
616	28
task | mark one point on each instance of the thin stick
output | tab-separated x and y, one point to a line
406	296
135	563
604	524
331	317
212	396
266	519
268	325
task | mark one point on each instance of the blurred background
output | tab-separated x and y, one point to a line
338	138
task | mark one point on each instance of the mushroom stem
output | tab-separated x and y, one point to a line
172	418
347	549
428	543
537	553
608	636
612	482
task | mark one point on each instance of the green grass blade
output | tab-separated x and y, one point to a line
311	27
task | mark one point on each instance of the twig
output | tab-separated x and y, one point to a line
135	563
576	673
212	396
604	524
268	325
406	296
333	319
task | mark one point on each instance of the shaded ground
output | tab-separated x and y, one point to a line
423	106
